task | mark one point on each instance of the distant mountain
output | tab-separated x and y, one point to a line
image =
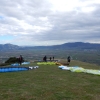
74	45
80	45
8	47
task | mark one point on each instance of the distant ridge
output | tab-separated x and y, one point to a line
82	45
8	46
74	45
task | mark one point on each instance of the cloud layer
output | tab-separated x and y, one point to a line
49	22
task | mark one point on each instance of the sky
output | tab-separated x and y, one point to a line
49	22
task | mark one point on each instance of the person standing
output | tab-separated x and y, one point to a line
50	58
45	59
53	57
68	60
20	59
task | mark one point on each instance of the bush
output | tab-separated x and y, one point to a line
12	60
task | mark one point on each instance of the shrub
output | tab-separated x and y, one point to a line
12	60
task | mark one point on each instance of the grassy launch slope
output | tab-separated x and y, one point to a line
48	82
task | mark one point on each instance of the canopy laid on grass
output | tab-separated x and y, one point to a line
13	69
46	63
17	64
35	67
77	69
64	67
24	63
91	71
80	69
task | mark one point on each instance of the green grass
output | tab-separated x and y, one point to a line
48	82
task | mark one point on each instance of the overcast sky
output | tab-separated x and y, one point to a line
49	22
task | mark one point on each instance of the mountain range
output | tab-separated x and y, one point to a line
74	45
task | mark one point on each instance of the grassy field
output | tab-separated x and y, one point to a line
48	82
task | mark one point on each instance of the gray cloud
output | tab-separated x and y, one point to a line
35	22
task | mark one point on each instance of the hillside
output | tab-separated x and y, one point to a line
50	83
74	45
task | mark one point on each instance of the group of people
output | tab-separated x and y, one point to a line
52	59
20	59
45	58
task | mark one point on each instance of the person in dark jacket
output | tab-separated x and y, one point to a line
45	59
53	57
50	58
68	60
20	59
